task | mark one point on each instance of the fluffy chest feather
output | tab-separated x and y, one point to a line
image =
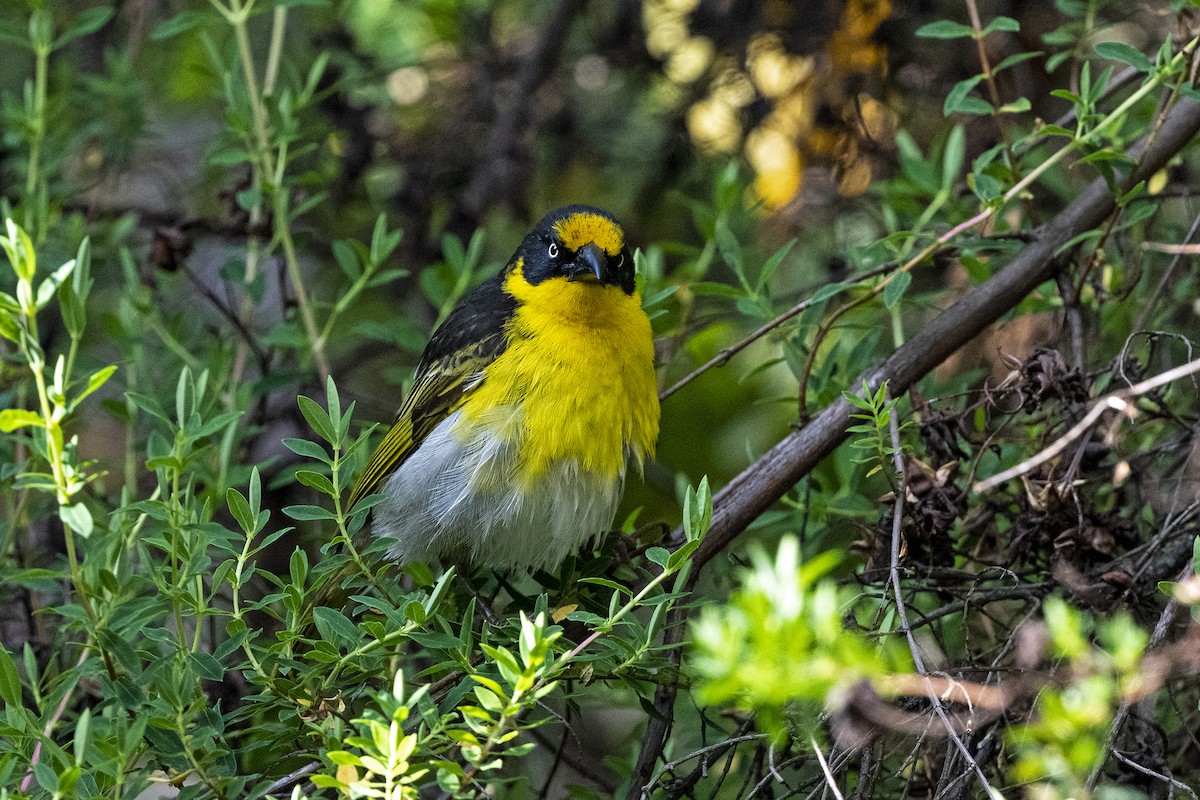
576	382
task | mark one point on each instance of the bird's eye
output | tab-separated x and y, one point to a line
553	250
620	260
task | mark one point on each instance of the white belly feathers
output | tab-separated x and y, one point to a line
461	497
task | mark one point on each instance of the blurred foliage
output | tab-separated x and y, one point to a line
232	224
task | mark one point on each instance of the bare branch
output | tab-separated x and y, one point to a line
1116	401
829	781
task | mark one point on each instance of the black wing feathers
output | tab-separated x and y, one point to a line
471	337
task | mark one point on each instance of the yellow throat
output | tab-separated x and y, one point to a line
579	368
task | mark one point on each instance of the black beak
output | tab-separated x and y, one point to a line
589	262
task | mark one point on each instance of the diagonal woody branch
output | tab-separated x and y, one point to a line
765	481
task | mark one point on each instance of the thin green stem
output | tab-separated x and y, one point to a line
278	26
269	168
238	14
334	470
37	123
398	635
129	539
608	624
53	433
243	559
176	535
344	302
284	232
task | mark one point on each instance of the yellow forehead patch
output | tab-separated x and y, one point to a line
582	228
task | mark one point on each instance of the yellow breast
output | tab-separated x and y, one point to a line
579	370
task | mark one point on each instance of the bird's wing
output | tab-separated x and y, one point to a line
470	339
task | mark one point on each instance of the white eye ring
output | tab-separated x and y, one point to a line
620	260
553	250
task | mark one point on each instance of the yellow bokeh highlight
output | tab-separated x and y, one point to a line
878	122
665	36
793	85
775	72
733	88
690	59
714	125
855	178
850	48
794	113
407	85
778	169
1158	182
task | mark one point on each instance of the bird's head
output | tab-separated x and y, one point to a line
577	243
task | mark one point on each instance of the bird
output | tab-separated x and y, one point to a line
529	403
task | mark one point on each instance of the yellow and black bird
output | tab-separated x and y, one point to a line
529	401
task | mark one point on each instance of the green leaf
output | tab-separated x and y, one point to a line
49	286
505	661
715	289
945	29
229	157
240	510
729	247
47	778
986	187
82	726
206	666
453	252
953	156
317	419
605	582
681	555
895	289
20	251
1014	59
73	308
334	627
307	449
383	244
95	381
338	423
308	204
10	682
659	555
436	641
181	22
586	617
88	21
697	510
1001	24
1067	94
959	101
346	258
827	291
248	199
1018	106
77	518
772	263
1056	130
1119	51
306	513
13	418
315	480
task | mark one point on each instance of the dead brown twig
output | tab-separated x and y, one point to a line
1120	402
